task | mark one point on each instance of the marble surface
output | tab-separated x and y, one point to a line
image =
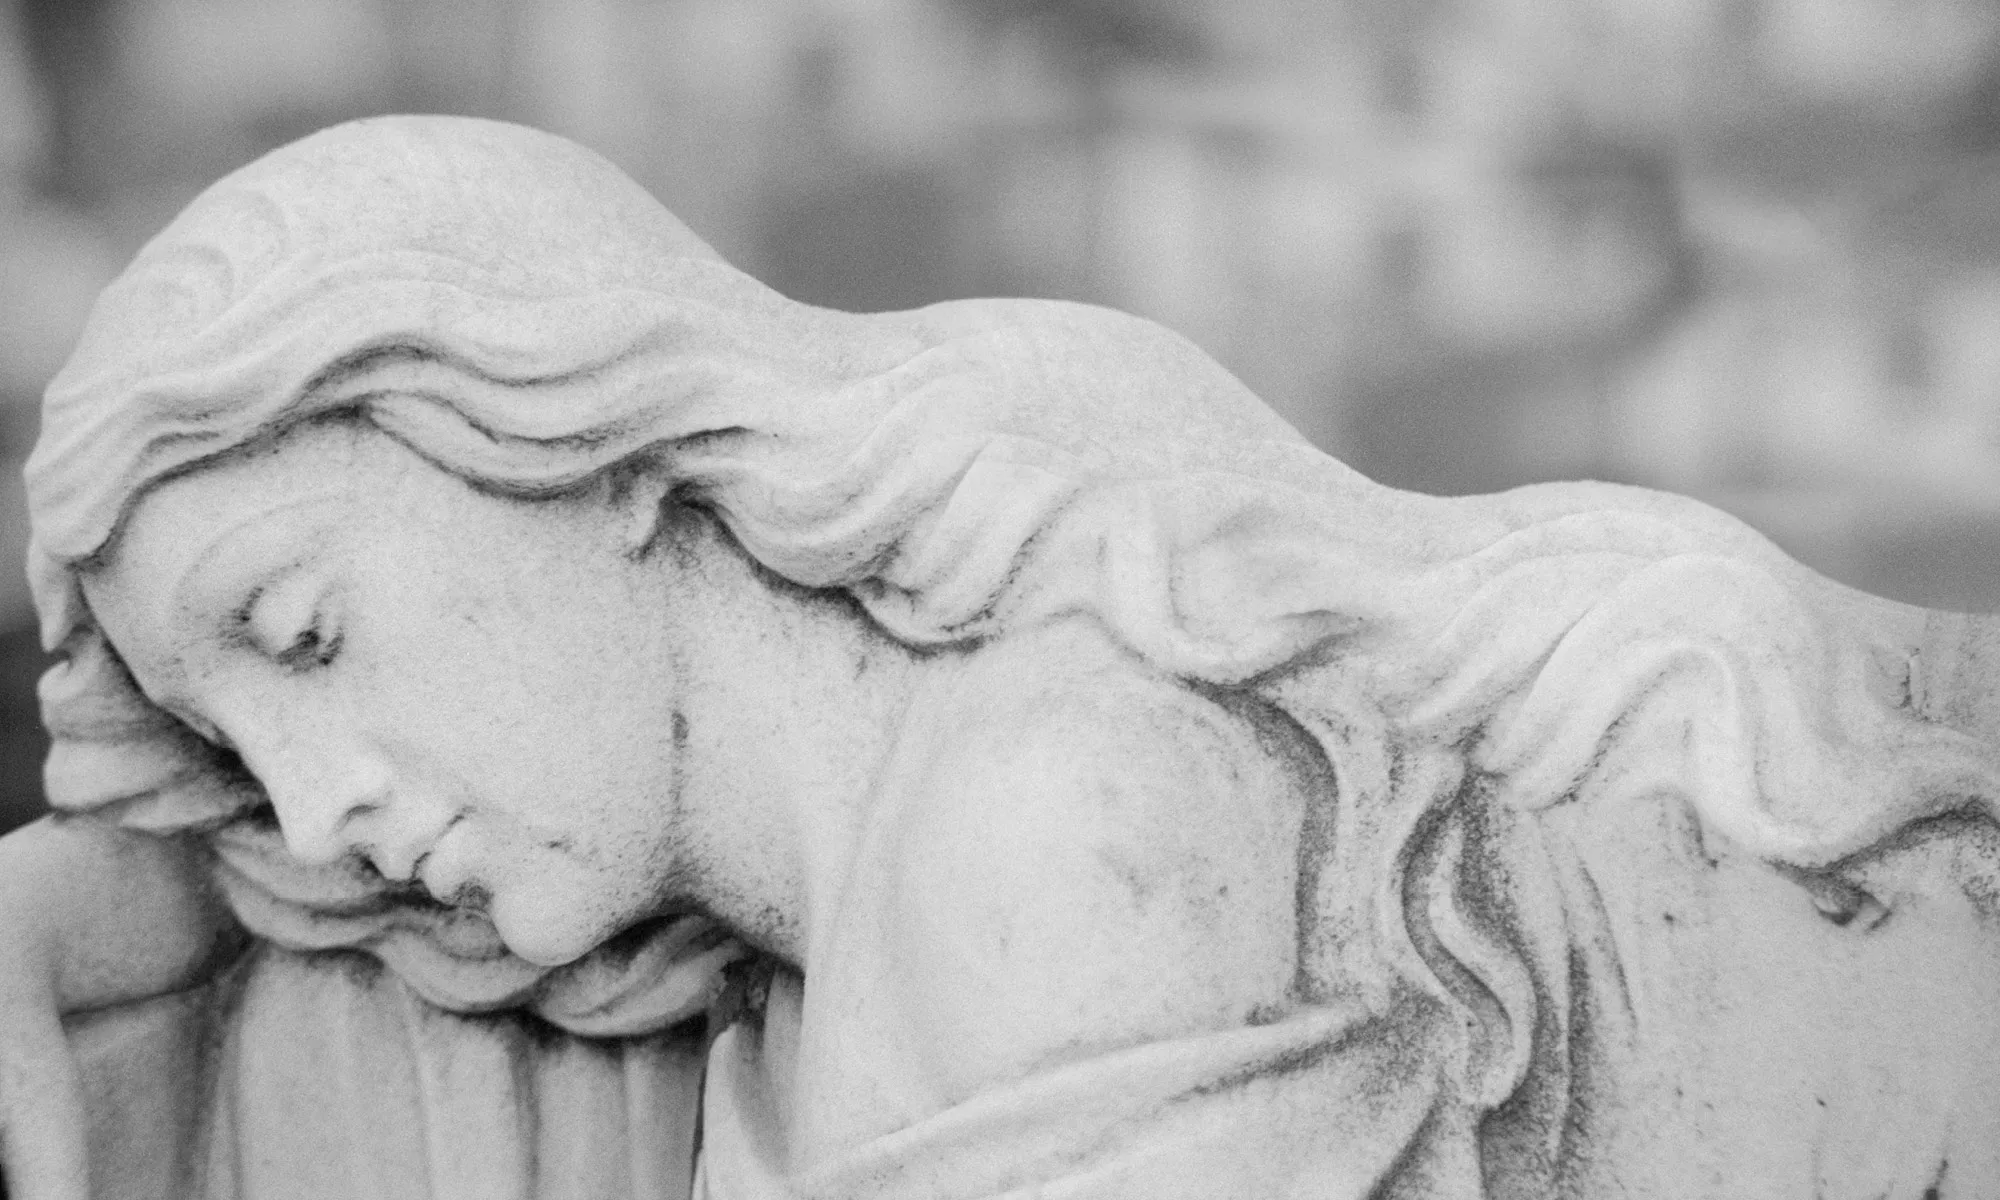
544	715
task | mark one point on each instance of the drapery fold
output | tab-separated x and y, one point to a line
324	1077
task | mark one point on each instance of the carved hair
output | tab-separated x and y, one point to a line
519	314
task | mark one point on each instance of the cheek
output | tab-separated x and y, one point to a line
583	791
553	702
540	695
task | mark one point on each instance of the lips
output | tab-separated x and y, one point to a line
445	873
399	848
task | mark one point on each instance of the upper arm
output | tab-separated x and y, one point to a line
1103	861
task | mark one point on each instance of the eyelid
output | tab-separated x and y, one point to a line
284	613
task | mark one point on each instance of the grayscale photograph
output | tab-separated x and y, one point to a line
1000	599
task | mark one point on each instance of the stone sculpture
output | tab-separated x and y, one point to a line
529	687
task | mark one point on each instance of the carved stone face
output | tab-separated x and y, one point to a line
471	691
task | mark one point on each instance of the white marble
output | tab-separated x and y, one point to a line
530	688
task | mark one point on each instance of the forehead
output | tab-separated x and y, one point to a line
303	486
313	466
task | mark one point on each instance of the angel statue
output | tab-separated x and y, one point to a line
542	715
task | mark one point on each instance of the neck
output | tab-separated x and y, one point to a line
792	699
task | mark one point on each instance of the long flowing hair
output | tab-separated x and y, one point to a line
522	316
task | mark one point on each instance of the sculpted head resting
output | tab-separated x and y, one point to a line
516	312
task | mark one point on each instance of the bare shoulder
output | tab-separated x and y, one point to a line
1102	856
1069	688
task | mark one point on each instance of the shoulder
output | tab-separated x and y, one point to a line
1097	856
1067	694
1066	708
1064	743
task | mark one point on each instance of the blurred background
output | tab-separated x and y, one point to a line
1747	250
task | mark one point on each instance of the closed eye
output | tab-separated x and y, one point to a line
311	648
287	622
1840	900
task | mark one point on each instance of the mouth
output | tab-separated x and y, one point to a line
470	896
446	877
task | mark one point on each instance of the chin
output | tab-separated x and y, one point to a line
535	928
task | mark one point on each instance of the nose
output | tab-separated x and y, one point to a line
331	801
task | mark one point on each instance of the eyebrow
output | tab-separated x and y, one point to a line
182	595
